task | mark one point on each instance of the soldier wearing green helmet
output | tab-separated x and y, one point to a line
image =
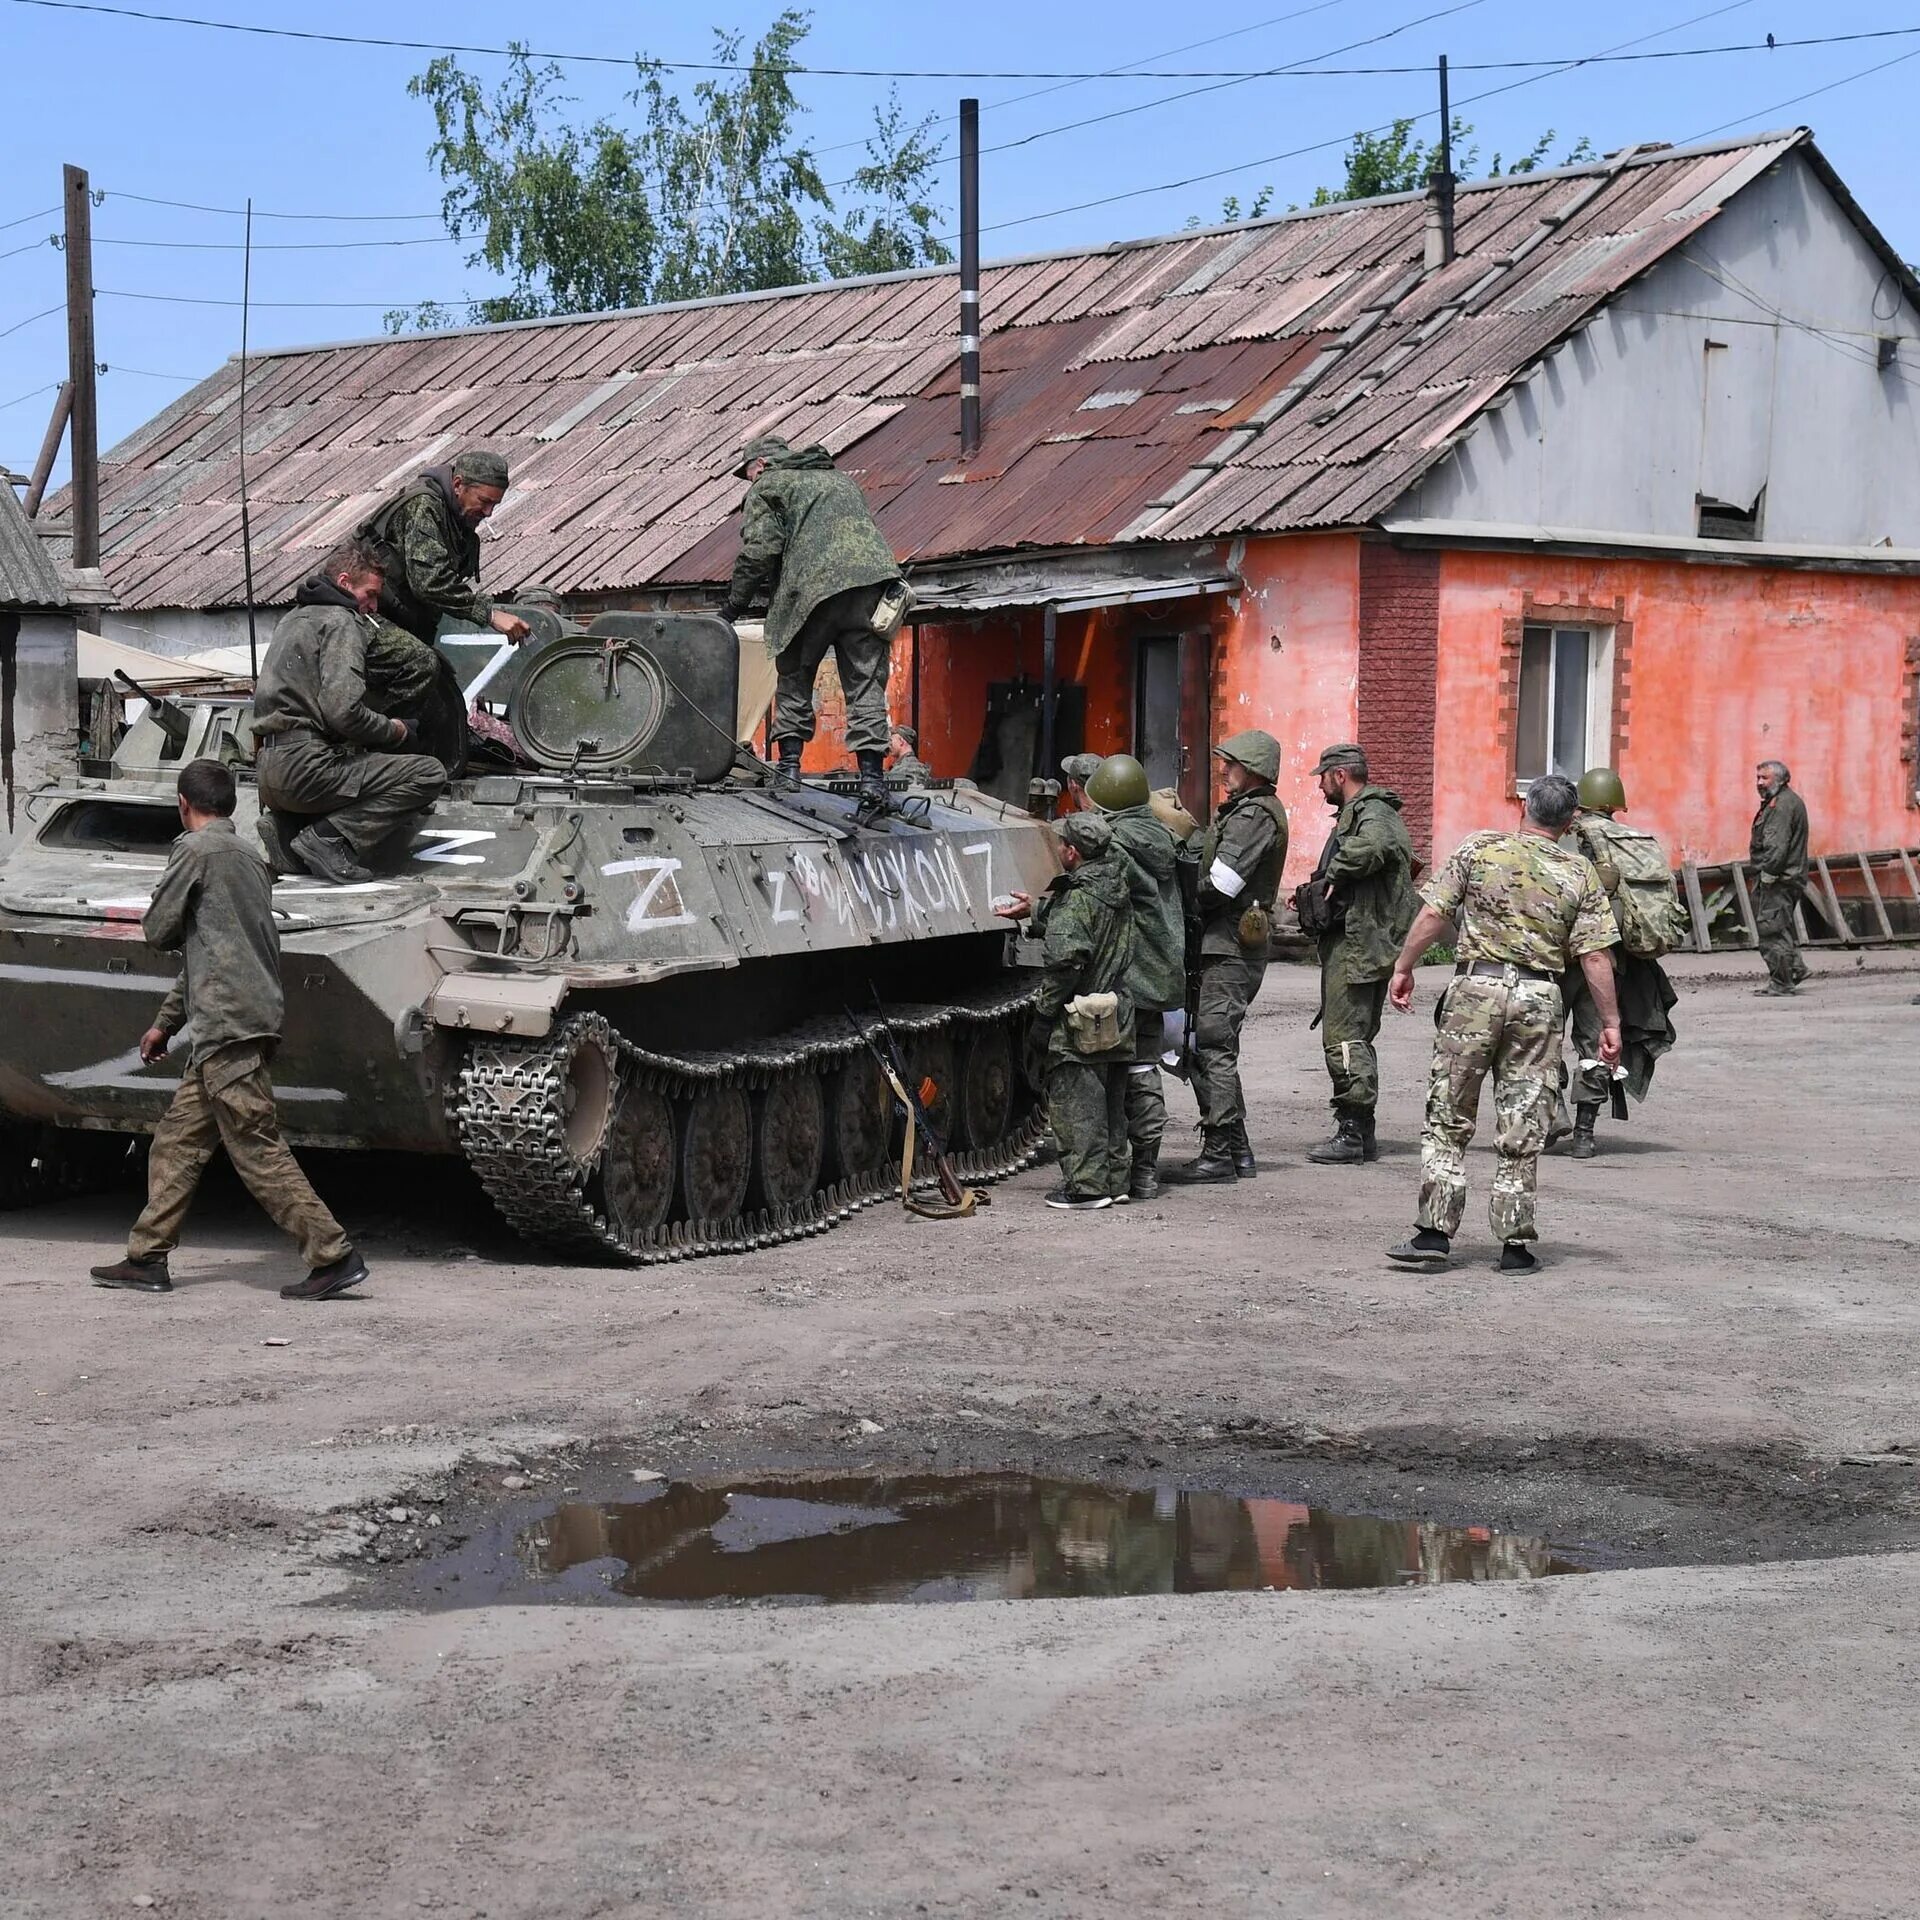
1240	861
1156	981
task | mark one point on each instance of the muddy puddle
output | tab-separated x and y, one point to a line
949	1537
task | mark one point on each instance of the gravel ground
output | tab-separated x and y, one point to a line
216	1698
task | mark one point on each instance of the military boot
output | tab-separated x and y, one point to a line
786	771
1215	1162
1347	1148
1584	1115
1245	1166
1144	1181
1369	1136
873	781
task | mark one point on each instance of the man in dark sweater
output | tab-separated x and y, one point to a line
1779	855
214	906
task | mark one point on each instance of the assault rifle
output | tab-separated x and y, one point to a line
879	1040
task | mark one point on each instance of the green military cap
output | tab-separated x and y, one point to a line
1257	751
763	446
1347	757
1091	833
537	596
1080	766
908	735
481	466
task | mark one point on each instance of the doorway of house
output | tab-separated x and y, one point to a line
1170	713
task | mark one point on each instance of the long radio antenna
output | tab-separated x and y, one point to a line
246	522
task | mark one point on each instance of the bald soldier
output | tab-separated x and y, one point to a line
428	541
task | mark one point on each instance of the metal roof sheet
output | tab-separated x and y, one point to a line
623	428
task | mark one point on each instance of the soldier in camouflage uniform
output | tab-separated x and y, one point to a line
323	750
1157	980
1779	855
1240	861
427	537
1087	948
1527	909
1075	771
1358	905
810	550
907	764
214	906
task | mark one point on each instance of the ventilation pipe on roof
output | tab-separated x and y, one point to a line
1440	185
969	278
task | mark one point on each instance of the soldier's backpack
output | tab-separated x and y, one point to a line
1646	897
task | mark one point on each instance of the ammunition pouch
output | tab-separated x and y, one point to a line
1093	1022
1322	914
1255	928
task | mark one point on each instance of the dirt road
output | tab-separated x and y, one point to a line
205	1710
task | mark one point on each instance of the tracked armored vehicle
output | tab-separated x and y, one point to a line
626	983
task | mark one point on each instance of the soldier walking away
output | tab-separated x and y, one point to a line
1157	979
1528	909
1358	905
1638	881
324	752
428	541
1779	856
1240	860
907	764
214	906
810	550
1083	1018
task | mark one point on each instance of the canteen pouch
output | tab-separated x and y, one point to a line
1093	1022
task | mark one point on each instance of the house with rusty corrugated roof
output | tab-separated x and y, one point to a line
1618	464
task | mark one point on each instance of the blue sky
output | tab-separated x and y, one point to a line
182	114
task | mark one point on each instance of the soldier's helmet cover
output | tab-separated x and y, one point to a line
1257	751
1119	782
1089	834
908	735
1600	790
763	446
1080	766
481	467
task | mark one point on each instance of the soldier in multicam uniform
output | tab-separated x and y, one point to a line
1358	905
427	538
214	905
809	548
1779	855
907	764
1527	910
1085	924
1156	982
1240	861
323	749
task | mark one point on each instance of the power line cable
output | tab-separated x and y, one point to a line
32	246
21	399
917	73
196	206
43	314
207	300
1846	80
274	246
6	226
147	373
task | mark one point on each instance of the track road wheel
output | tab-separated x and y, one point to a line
789	1140
716	1154
859	1115
984	1095
641	1166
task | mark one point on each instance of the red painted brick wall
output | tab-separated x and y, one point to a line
1399	670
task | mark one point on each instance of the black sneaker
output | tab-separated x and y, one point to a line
1428	1248
1071	1202
273	842
323	851
1517	1257
324	1282
136	1276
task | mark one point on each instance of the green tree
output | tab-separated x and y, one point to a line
706	196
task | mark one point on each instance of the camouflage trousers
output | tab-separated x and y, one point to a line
843	626
1773	905
1087	1110
1146	1098
226	1100
401	670
1228	984
1511	1028
369	797
1350	1012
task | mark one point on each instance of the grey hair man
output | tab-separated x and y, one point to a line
1778	851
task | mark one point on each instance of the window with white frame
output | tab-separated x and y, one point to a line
1566	701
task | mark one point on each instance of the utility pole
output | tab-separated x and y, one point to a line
80	370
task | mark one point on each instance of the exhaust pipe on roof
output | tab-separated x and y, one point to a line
1440	185
969	278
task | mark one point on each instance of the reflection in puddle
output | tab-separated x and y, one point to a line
992	1536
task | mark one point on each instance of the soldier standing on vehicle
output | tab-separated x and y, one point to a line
1638	881
1358	905
1779	856
810	550
214	906
1527	910
1083	1017
1240	861
907	764
323	750
427	537
1156	982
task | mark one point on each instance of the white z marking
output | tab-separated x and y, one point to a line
452	839
661	890
983	851
778	882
